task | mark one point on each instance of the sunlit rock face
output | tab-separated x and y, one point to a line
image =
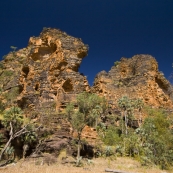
46	72
44	77
47	69
136	77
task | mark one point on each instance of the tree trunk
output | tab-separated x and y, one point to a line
13	136
78	149
96	123
126	122
5	147
124	152
140	118
25	149
122	121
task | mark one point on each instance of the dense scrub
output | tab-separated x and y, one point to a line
151	143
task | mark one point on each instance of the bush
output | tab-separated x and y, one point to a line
1	65
156	139
8	73
116	63
111	136
151	143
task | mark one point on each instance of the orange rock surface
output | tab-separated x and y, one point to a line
136	77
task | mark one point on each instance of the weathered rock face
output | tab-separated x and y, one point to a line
47	70
136	77
42	78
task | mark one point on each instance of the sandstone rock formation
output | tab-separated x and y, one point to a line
136	77
45	74
43	77
46	70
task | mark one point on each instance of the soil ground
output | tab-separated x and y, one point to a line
97	166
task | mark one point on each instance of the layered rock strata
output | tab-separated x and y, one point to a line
136	77
42	78
46	71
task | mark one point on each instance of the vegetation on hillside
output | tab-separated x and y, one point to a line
19	127
37	120
151	143
90	107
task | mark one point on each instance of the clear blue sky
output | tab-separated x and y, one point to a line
112	28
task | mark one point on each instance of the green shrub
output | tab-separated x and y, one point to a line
1	65
151	143
8	73
116	63
4	57
111	136
12	94
156	139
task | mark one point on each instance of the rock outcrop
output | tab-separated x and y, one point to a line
43	77
45	74
46	71
136	77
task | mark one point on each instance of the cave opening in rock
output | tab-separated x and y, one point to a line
86	151
36	87
44	52
67	86
20	88
22	103
25	70
161	84
61	65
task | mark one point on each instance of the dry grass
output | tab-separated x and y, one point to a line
98	166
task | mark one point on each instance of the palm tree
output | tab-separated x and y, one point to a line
127	106
139	105
122	103
95	113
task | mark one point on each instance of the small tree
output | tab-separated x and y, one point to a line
95	113
139	105
78	122
15	123
116	63
125	104
87	104
127	107
156	139
13	48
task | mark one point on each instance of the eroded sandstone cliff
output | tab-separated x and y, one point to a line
43	77
46	70
136	77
